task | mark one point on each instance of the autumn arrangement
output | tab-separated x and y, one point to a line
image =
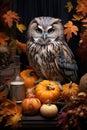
46	98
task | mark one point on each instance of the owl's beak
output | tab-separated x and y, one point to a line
44	36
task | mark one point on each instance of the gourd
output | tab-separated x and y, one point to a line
48	110
70	89
31	106
29	77
83	83
47	90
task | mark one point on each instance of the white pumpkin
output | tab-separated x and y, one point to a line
49	110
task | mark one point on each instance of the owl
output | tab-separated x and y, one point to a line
47	51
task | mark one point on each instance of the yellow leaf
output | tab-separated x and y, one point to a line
21	27
69	6
14	120
77	17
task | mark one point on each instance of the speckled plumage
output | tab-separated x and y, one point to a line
48	53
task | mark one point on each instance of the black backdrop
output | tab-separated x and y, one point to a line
28	9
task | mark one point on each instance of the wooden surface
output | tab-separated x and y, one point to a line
38	121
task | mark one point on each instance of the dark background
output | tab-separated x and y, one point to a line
28	9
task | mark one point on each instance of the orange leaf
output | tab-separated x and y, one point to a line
22	46
11	17
84	20
82	7
2	96
69	29
69	6
14	120
3	38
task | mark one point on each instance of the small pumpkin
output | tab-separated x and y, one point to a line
47	90
70	89
31	106
48	110
29	76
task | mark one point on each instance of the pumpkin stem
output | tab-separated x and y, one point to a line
70	84
50	87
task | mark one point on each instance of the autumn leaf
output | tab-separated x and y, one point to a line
2	96
77	17
21	45
21	27
11	112
3	38
14	120
69	6
11	17
69	29
81	7
84	20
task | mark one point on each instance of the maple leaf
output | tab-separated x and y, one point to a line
69	6
21	27
10	17
77	17
82	7
69	29
3	38
14	120
11	112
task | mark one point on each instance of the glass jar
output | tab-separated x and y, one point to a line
17	89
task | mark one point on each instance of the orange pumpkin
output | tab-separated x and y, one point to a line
31	106
70	89
29	77
47	90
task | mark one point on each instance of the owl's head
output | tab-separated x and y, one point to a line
45	30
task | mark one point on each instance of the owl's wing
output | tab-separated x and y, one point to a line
66	62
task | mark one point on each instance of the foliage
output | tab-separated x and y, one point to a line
12	20
79	15
10	112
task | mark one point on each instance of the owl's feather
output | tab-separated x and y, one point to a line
51	57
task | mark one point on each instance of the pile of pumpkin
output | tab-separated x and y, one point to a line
43	96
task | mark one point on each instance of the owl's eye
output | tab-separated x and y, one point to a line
51	30
38	30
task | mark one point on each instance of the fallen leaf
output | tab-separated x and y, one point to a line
13	121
